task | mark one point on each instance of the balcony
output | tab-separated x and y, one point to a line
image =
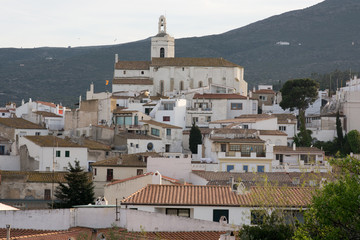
197	110
241	154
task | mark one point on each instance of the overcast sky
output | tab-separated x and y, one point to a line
38	23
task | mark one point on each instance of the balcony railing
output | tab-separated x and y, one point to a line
241	154
199	109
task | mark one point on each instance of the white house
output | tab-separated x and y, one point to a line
170	111
166	74
50	153
249	121
209	107
219	203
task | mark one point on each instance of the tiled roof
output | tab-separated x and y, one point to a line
47	114
277	197
128	135
32	176
256	116
272	132
132	65
286	149
124	111
120	233
286	118
50	104
3	139
127	160
160	124
183	195
264	91
133	81
219	96
94	145
52	141
19	123
196	62
173	180
237	140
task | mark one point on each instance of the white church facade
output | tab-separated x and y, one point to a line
167	75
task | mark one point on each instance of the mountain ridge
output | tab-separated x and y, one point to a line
322	38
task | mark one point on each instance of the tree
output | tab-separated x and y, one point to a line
339	131
299	94
353	138
195	138
335	209
79	189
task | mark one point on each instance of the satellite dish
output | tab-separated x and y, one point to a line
100	236
150	146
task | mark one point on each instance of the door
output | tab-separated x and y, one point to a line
2	150
109	175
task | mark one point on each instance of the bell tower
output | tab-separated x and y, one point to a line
162	45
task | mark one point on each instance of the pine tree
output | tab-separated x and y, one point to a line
195	138
79	189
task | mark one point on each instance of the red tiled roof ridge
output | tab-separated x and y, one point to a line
128	179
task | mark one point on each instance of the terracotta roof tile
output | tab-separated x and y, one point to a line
173	180
199	62
277	197
160	124
43	177
272	132
133	81
237	140
219	96
286	118
94	145
286	149
50	104
133	65
184	195
126	160
52	141
47	114
19	123
265	91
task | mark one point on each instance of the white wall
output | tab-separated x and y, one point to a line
9	163
178	168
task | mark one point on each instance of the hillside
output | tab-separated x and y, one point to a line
322	38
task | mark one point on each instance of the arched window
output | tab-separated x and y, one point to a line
162	87
162	52
181	85
200	84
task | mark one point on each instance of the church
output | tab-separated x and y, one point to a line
168	75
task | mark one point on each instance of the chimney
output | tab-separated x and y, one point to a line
116	58
294	146
7	231
156	178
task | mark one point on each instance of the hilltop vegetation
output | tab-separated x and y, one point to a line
321	39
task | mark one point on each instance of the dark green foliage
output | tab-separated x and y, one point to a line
195	138
299	94
272	228
339	131
79	189
333	80
353	138
335	209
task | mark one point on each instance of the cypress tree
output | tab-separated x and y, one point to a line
195	138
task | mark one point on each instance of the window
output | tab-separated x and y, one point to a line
235	148
257	216
245	168
109	175
200	84
57	154
218	213
137	145
245	126
142	72
162	87
47	194
229	168
124	72
162	52
168	132
95	171
155	132
254	108
282	128
208	119
37	133
181	212
131	144
181	86
223	147
260	168
139	171
263	98
166	118
67	153
280	158
195	119
168	106
236	106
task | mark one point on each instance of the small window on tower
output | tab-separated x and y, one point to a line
124	72
162	52
142	72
